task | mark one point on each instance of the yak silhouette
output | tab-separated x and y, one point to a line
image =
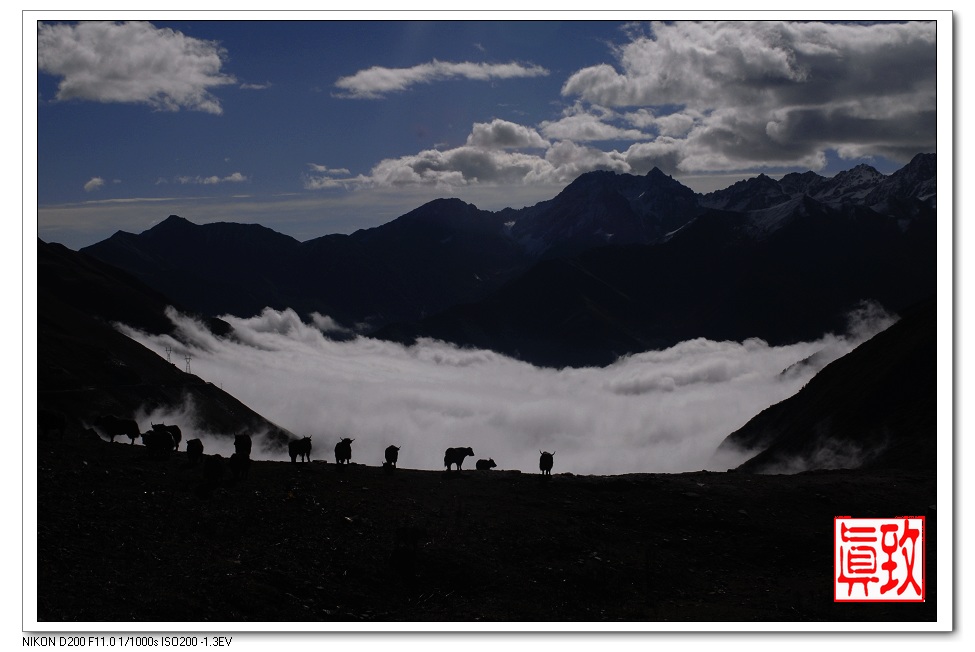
300	448
456	456
343	451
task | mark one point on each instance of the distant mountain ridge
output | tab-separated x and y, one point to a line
613	264
901	194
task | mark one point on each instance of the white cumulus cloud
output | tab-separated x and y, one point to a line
774	93
132	62
501	134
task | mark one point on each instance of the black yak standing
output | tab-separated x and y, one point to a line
545	462
343	451
456	456
300	448
174	431
158	443
116	427
392	455
194	451
242	445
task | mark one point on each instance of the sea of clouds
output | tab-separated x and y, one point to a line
658	411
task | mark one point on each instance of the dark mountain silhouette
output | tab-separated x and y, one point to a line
601	208
875	407
444	253
614	264
788	274
86	367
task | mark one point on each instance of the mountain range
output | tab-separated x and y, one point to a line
614	264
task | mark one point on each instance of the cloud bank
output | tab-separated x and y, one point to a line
377	81
660	411
132	62
777	93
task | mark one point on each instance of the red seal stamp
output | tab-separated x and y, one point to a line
878	559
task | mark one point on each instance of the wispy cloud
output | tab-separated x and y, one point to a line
661	411
376	82
94	184
323	169
132	62
236	177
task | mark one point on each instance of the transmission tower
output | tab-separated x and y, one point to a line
188	363
169	354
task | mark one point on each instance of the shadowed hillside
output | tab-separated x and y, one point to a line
86	368
876	407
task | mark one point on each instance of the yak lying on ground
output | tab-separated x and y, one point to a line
545	462
343	451
300	448
392	455
158	443
456	456
485	465
194	450
176	433
114	427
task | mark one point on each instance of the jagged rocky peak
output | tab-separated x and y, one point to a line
658	174
905	190
797	183
924	165
862	173
756	193
921	170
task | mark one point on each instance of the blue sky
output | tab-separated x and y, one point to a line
316	127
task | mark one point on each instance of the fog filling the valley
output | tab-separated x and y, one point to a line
660	411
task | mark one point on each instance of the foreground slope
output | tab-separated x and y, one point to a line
315	542
875	407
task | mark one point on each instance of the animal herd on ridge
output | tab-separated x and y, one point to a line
162	439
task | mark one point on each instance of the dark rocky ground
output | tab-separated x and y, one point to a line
123	537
